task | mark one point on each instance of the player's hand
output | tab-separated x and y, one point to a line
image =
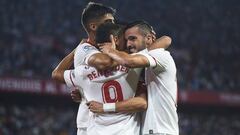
95	107
76	96
162	42
107	46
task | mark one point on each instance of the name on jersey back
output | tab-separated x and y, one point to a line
106	73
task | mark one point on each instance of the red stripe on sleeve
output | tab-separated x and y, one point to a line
71	79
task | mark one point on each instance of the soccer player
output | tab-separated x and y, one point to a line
93	15
160	76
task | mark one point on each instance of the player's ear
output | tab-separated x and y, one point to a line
153	37
115	39
93	26
149	38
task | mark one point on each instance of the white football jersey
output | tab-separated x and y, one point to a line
97	86
161	115
82	53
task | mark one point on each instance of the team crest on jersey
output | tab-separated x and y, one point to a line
88	48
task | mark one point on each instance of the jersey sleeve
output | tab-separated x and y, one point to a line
161	57
151	60
71	81
83	53
69	77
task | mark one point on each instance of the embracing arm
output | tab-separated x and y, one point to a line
58	72
58	75
137	60
131	61
162	42
135	104
101	61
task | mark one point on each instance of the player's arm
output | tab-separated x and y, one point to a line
65	64
136	104
123	58
90	55
101	61
162	42
58	75
58	72
137	60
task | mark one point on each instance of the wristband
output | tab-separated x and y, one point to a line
109	107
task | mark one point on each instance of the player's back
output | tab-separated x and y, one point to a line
110	86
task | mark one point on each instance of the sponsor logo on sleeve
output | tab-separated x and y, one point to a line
89	48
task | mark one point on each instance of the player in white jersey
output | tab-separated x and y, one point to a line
161	116
93	15
100	86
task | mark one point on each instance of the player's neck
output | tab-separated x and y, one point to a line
91	39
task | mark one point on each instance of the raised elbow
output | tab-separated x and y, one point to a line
57	76
54	74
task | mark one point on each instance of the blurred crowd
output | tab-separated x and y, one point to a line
36	35
209	124
29	120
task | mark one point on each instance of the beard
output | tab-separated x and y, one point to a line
132	49
137	48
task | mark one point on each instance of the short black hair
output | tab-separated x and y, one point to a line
106	29
145	27
95	11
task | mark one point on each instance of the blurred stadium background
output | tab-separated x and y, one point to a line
36	35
